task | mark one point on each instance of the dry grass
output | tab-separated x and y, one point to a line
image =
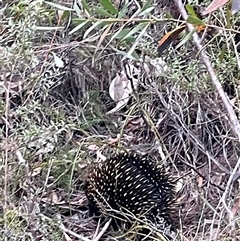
54	123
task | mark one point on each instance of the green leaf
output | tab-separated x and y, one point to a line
168	16
147	5
65	15
190	10
108	6
83	23
222	53
97	24
123	33
137	5
189	35
58	6
130	39
110	20
195	20
148	10
116	34
134	56
77	9
103	12
135	30
144	28
86	7
123	11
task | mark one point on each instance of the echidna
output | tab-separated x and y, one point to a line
134	184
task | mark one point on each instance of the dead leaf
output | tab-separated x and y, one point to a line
116	88
36	171
179	185
236	206
120	88
168	38
112	141
21	160
93	147
58	61
214	5
233	101
54	198
100	156
200	181
103	36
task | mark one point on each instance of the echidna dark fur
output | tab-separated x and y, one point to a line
135	183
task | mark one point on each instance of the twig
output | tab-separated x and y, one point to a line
5	164
103	230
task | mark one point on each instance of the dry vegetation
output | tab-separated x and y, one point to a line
56	66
